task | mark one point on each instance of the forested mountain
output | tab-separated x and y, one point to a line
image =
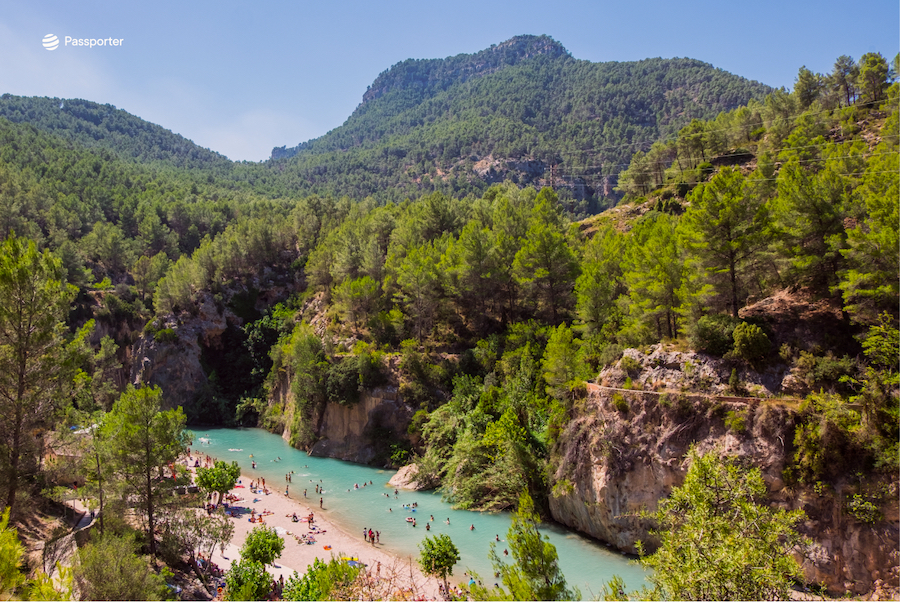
104	126
524	110
511	111
101	212
125	247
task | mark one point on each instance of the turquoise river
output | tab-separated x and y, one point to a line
585	563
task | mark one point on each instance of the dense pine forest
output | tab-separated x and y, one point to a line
380	255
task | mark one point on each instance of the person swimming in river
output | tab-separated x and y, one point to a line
448	520
428	526
472	527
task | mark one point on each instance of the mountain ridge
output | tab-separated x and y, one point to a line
524	110
481	63
423	125
96	125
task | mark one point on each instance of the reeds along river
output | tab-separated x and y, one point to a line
585	563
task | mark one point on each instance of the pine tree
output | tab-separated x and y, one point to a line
34	300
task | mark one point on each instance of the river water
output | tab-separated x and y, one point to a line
585	563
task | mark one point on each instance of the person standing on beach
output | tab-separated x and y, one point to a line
321	501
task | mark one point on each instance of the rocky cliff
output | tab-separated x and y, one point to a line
174	352
170	356
358	432
625	450
361	432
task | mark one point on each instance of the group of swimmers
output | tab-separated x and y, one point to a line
371	536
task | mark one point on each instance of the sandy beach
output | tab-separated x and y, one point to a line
329	540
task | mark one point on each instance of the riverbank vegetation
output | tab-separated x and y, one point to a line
489	312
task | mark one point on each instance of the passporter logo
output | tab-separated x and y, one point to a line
51	42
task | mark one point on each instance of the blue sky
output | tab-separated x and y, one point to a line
243	77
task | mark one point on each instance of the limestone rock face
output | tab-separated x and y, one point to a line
175	365
689	370
611	464
347	432
353	432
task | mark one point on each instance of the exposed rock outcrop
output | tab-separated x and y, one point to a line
405	478
361	432
171	354
173	362
613	462
352	432
690	371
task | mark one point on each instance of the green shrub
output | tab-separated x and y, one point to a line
150	328
322	581
714	334
166	335
734	383
750	342
272	416
347	377
824	441
342	383
246	580
262	545
863	510
401	453
825	371
620	403
736	421
419	419
109	569
563	487
387	327
630	366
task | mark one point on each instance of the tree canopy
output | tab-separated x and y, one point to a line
438	557
719	541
